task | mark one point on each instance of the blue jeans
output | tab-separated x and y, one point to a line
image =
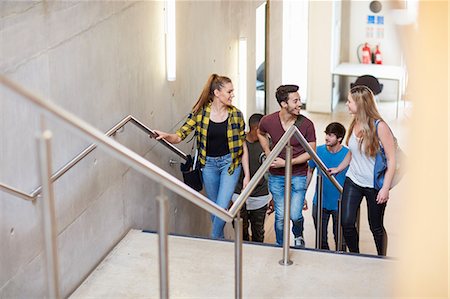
298	191
219	187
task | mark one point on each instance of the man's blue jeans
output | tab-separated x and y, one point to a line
219	187
298	191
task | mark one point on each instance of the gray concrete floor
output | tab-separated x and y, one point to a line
200	268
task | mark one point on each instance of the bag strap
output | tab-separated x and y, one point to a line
377	122
299	121
196	140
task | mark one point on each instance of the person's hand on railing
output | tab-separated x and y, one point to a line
278	163
172	138
270	207
305	205
333	170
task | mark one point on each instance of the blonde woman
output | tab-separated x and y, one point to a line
363	142
221	144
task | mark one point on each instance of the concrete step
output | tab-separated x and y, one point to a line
202	268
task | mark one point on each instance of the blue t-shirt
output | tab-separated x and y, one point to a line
331	160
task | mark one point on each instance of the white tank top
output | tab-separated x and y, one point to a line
361	166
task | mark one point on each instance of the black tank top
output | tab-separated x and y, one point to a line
217	140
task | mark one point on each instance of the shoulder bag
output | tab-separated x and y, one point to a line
192	175
381	164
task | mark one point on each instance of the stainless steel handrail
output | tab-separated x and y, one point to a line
140	164
162	141
60	172
121	152
292	131
333	180
16	192
150	170
49	215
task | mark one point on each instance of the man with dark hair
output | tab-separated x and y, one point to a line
331	153
275	125
254	211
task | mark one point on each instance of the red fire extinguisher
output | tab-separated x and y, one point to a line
378	58
365	54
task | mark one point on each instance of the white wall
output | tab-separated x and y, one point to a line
101	61
275	63
295	48
350	16
389	42
319	58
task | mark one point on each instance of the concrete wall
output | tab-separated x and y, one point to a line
101	61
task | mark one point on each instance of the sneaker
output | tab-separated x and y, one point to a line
299	242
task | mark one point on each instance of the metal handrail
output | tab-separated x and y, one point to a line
60	172
121	152
109	133
292	131
142	165
16	192
166	180
284	140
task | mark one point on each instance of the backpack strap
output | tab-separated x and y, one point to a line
377	122
299	121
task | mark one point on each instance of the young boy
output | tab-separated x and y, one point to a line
254	211
331	153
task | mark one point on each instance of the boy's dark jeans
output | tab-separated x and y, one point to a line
325	218
256	219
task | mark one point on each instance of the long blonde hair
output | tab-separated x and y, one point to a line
214	82
366	114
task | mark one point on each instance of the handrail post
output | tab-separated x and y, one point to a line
238	227
49	218
287	205
340	236
163	204
319	210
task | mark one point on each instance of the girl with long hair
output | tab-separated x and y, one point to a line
363	142
222	151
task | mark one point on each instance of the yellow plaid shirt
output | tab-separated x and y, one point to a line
235	133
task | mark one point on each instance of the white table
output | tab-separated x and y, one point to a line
379	71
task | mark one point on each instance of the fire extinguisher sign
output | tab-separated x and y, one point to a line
375	27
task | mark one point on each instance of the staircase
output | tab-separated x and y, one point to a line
146	265
202	268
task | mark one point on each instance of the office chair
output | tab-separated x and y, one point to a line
369	81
